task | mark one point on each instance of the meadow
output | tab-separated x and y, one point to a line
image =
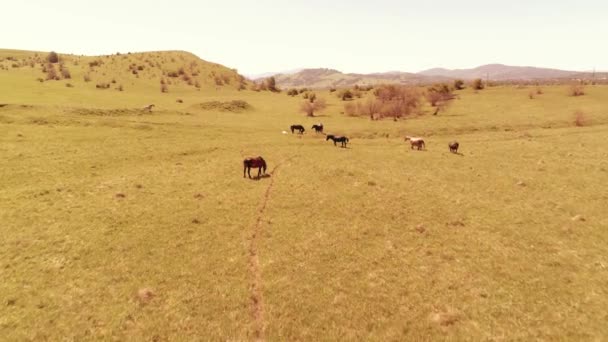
118	224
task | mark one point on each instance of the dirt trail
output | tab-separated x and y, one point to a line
257	299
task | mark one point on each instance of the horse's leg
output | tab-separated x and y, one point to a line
244	170
249	171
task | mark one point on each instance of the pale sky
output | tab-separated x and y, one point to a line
352	36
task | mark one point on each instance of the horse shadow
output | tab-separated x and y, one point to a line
260	177
458	153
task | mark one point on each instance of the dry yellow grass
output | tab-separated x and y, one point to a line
121	224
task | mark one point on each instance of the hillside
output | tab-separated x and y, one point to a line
170	72
500	72
326	78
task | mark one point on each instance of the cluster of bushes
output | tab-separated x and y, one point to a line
267	84
102	85
227	106
394	101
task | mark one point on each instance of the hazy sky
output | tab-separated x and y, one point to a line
352	36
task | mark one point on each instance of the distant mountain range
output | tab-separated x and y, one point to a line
325	78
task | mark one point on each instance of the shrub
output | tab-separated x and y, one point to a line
95	63
292	92
271	84
69	85
539	91
458	84
87	78
65	73
332	89
173	74
51	73
477	84
52	57
197	84
531	95
579	119
345	95
397	101
577	90
40	79
102	85
164	88
311	106
120	88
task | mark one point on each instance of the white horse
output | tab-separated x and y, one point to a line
415	141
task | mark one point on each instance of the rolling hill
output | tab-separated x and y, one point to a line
500	72
162	71
326	78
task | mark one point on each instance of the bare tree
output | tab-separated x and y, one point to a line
310	107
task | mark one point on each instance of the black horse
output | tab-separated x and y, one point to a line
297	128
258	163
342	140
318	128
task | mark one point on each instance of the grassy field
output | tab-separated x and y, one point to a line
126	225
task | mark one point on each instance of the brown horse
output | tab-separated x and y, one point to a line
453	146
258	163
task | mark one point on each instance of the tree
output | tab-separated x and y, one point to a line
52	57
477	84
310	107
271	84
458	84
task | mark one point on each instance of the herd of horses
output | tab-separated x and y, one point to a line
260	164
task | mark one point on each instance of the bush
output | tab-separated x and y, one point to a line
332	89
102	85
292	92
95	63
345	95
579	119
311	106
65	73
87	78
51	73
271	84
164	88
477	84
69	85
577	90
458	84
53	57
120	88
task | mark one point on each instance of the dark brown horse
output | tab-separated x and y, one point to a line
318	128
258	163
342	140
297	128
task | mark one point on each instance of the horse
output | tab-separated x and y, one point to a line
415	141
148	108
297	128
318	128
258	163
342	140
453	146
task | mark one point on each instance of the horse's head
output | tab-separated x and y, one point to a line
329	136
262	163
407	137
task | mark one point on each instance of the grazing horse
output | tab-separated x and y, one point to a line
342	140
453	146
148	108
318	128
414	141
297	128
258	163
